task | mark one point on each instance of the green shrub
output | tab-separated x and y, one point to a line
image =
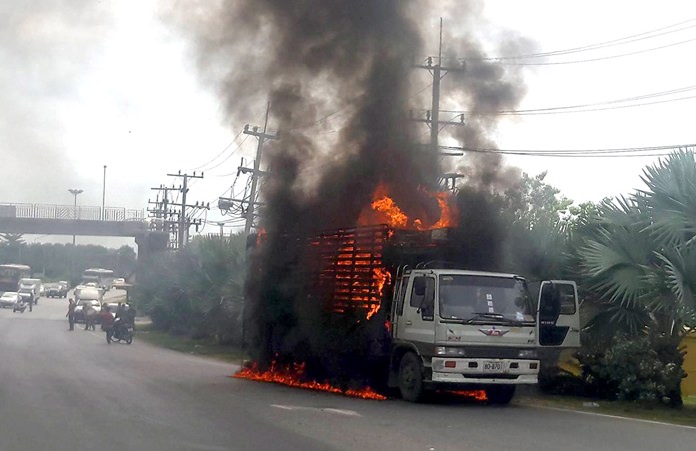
635	368
197	291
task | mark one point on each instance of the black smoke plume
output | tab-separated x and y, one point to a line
337	74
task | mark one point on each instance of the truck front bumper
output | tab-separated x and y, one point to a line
484	371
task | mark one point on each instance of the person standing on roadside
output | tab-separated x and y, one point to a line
71	314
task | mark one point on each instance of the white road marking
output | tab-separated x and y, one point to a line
606	415
349	413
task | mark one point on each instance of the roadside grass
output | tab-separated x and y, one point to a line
181	343
645	411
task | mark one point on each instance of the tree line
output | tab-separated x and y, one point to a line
54	262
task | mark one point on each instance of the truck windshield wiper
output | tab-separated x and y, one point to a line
496	316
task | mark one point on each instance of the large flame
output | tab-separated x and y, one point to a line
293	375
381	277
383	209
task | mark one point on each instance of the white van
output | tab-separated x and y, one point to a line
89	293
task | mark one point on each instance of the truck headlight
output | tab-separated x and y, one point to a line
527	354
450	351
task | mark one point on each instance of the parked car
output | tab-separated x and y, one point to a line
118	281
79	314
9	299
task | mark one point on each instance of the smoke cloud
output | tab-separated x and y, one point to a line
339	80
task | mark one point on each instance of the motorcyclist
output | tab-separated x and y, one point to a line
107	320
124	318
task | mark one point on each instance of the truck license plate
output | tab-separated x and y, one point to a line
492	366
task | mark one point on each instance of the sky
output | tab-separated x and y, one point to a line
85	84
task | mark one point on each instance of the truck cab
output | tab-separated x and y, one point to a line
32	286
457	329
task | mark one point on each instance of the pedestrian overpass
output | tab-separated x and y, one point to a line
41	219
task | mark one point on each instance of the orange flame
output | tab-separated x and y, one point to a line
261	236
293	376
382	277
384	209
386	205
478	395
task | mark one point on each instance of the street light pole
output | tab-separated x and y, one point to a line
74	192
104	194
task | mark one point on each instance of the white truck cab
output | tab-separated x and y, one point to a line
461	329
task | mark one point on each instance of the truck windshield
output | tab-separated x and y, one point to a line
465	297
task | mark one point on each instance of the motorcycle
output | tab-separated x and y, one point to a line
120	332
20	306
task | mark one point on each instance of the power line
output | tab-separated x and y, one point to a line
613	42
221	152
581	107
239	146
602	58
576	153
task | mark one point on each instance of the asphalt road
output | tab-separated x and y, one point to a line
62	390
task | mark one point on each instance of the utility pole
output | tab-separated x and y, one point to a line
184	222
432	117
262	137
164	215
171	216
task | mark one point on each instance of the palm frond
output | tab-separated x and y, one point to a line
671	198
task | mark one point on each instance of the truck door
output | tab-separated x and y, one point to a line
417	322
397	310
558	314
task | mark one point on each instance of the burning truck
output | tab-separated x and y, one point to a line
394	308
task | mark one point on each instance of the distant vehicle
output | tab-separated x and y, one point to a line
56	290
102	277
42	290
9	299
118	281
11	274
31	285
112	306
83	292
79	309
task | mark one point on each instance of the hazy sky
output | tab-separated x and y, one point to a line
84	84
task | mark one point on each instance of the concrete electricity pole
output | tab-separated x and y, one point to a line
262	137
432	117
184	222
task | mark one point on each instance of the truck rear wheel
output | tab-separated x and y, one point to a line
411	377
500	394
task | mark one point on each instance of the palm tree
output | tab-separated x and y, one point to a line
12	239
641	258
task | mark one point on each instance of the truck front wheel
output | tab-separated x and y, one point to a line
411	377
500	394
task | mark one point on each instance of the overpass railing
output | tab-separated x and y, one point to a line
70	212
